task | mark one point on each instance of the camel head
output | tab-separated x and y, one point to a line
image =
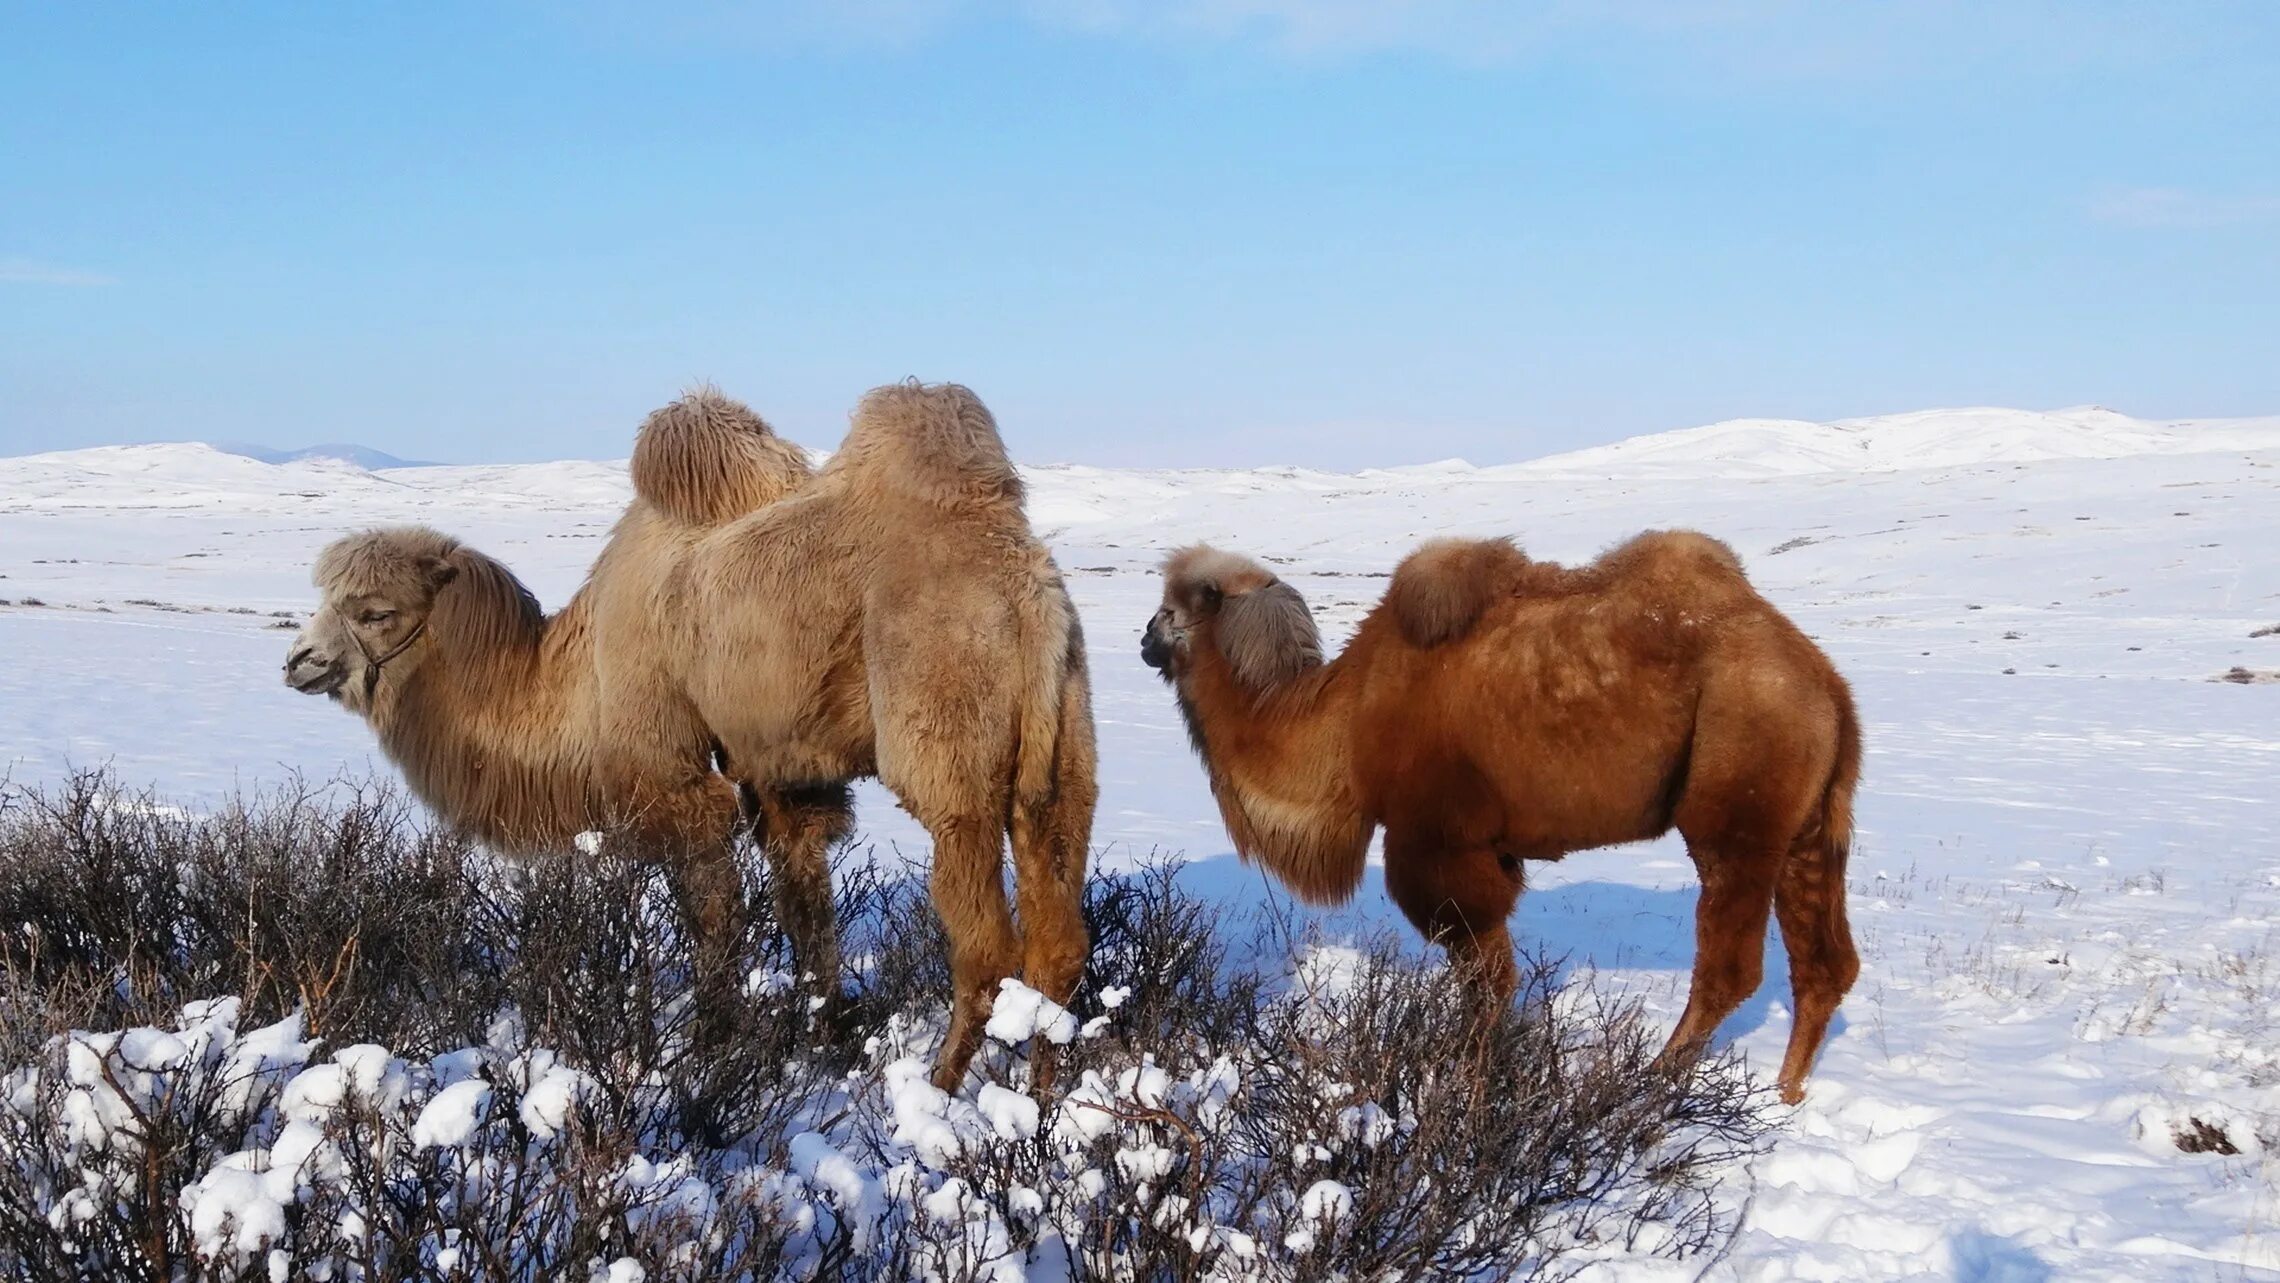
1231	603
379	588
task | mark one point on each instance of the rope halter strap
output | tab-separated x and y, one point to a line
373	663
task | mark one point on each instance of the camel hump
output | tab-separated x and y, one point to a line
1441	590
932	441
707	459
1680	551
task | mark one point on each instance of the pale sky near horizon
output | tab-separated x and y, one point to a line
1171	232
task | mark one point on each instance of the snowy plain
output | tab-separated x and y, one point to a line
2068	867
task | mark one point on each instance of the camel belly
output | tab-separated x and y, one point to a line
1598	784
791	723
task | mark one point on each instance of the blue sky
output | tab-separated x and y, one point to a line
1178	232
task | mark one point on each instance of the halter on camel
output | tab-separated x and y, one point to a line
373	662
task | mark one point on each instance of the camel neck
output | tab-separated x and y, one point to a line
492	733
1280	767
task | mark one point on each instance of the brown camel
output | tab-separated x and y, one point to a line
892	616
1493	709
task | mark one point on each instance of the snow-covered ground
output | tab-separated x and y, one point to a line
2069	863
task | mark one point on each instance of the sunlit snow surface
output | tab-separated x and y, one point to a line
2069	859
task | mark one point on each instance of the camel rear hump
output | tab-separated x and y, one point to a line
1441	590
934	442
707	459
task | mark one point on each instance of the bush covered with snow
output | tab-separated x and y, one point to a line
427	1065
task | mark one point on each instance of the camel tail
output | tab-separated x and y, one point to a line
1812	896
1832	834
1441	590
1056	695
707	459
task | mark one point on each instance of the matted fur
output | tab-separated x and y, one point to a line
706	459
1494	709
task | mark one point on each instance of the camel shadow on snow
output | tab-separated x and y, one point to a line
1575	926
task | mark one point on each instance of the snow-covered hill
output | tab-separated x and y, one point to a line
1922	439
363	456
2068	877
193	475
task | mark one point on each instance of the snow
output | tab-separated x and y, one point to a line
1326	1203
860	1201
2065	886
1022	1013
1920	440
451	1118
231	1212
1012	1114
550	1091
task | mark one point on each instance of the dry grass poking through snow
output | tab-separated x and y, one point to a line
328	1043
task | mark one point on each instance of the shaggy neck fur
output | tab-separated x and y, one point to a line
489	726
1279	756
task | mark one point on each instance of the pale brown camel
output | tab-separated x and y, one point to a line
892	615
895	618
1493	709
493	709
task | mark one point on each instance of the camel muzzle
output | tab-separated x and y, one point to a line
1155	652
310	676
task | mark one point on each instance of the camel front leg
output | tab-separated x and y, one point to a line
710	890
1461	901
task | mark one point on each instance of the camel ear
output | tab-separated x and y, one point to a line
1207	598
437	571
1268	635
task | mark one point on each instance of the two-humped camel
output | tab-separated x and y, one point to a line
752	622
1494	709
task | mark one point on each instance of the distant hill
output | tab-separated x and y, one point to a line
1922	439
363	456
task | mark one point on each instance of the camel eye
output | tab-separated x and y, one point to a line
376	617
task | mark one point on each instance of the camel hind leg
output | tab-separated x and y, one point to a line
1754	775
1052	839
1810	900
1729	942
968	887
953	771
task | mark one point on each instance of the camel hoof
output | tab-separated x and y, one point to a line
1792	1093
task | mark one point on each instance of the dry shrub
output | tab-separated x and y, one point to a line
1223	1116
